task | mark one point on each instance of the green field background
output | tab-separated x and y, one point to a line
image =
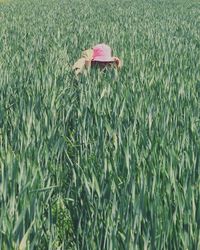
106	160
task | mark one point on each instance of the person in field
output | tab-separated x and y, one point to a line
99	56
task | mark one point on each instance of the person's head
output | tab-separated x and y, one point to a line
102	57
103	65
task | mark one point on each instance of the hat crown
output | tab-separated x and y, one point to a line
102	52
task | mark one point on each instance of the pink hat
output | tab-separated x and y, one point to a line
102	53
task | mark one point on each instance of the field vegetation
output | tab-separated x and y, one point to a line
107	160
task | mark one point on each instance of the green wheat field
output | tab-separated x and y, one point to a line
107	160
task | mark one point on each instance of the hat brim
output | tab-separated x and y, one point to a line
100	59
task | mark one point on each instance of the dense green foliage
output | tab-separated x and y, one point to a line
106	161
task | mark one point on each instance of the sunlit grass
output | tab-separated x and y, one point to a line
106	161
4	1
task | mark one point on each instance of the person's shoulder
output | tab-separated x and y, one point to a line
87	54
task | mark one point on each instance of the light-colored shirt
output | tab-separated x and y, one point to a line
84	61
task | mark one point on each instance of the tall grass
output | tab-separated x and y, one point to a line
108	160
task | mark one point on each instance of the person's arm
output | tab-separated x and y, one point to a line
118	62
79	66
84	61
